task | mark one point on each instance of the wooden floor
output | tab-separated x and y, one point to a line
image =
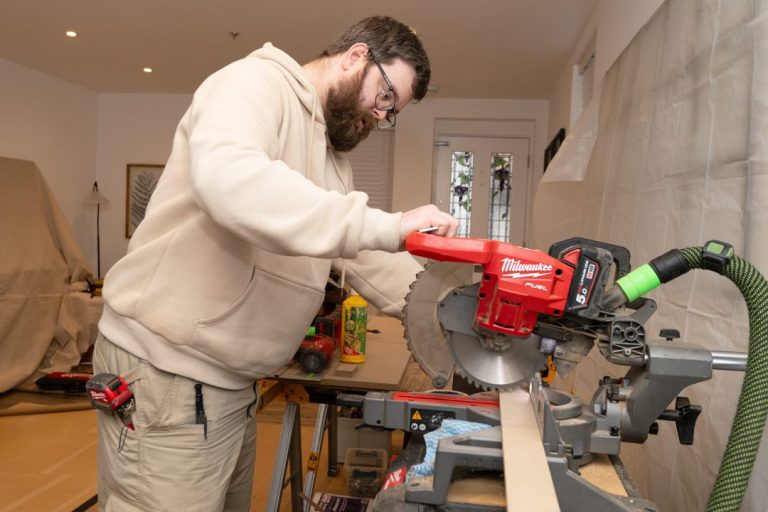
49	460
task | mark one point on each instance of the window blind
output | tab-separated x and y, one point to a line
372	168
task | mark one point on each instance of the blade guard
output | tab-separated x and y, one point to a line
518	284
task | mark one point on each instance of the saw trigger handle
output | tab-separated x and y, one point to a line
463	250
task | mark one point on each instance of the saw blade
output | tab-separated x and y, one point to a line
423	331
496	368
490	360
439	318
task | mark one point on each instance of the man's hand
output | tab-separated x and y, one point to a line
426	217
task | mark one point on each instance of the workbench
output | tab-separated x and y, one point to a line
387	358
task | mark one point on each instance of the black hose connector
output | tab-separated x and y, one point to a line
670	265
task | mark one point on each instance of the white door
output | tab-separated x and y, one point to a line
483	182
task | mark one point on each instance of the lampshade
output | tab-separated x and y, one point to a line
95	197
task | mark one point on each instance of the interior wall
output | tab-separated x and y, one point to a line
414	140
137	129
77	136
613	23
53	123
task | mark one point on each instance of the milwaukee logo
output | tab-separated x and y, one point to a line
513	265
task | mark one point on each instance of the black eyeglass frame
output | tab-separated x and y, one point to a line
390	118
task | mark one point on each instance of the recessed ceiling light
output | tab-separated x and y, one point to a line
71	33
147	70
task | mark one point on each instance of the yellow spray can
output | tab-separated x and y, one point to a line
354	322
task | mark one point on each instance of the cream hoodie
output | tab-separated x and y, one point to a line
229	265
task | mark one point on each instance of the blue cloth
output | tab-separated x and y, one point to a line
449	428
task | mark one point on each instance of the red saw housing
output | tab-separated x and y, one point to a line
518	284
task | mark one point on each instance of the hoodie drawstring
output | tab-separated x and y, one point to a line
312	131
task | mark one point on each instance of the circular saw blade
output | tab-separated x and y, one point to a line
499	368
488	359
423	331
439	318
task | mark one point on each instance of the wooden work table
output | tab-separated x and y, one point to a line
386	358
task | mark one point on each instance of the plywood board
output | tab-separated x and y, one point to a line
527	478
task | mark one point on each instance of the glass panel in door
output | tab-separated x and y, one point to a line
483	182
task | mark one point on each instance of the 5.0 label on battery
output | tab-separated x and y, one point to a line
585	284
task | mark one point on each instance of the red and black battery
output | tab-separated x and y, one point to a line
109	392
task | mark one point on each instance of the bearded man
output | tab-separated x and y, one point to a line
229	266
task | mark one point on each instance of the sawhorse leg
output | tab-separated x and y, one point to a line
333	442
317	446
289	448
289	451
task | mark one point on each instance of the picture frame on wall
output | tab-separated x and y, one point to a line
141	182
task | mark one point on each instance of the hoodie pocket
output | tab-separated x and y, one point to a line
220	317
262	329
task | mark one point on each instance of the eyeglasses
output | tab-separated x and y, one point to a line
385	100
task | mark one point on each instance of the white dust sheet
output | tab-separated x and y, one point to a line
673	153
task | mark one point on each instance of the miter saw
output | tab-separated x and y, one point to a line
497	313
477	308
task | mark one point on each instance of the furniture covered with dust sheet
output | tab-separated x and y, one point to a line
47	319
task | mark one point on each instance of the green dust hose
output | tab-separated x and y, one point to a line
746	432
744	441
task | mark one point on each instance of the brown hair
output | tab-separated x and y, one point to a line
389	39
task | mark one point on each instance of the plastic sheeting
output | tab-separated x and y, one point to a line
46	321
675	154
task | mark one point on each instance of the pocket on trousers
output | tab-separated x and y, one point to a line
156	394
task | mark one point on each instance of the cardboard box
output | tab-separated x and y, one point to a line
349	437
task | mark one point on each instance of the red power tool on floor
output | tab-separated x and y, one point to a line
110	393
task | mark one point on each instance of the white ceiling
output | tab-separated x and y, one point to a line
478	48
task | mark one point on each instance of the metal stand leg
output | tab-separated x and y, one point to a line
289	447
314	457
295	457
333	442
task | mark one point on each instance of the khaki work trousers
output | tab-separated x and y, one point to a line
169	462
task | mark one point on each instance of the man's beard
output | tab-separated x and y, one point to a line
347	122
